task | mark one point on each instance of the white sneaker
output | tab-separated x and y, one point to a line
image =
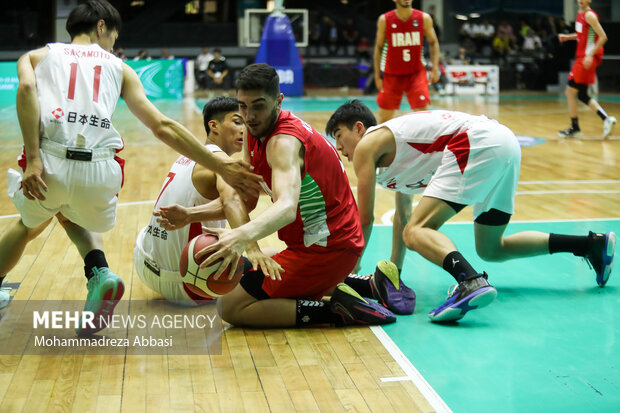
608	125
5	297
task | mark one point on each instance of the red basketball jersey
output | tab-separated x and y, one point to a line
327	214
402	50
586	36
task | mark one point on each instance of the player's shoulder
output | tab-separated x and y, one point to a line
590	15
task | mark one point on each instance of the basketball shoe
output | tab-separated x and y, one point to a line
570	133
469	294
601	255
5	297
608	125
354	309
388	288
105	289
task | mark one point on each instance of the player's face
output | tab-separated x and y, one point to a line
232	130
584	4
107	39
403	3
259	111
346	140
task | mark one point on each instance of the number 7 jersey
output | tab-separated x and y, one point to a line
78	87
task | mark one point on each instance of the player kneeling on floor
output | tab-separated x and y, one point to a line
159	245
454	159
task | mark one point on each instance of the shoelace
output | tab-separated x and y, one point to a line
451	290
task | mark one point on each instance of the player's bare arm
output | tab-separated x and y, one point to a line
379	41
28	114
181	139
566	37
433	46
602	38
236	214
284	155
173	217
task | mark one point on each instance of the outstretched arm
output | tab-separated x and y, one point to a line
175	135
283	155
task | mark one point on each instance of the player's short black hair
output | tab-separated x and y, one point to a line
348	114
259	76
217	108
84	17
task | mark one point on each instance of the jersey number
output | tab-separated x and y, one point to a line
96	80
406	55
169	179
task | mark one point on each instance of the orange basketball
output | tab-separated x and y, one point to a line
200	280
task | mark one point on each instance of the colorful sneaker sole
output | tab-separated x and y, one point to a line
455	311
354	309
400	298
608	259
103	314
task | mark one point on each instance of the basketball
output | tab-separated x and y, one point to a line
200	280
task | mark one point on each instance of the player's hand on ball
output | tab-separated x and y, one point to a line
172	217
269	266
229	248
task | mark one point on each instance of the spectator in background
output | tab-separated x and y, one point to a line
504	30
501	45
532	43
316	37
142	55
466	31
362	50
200	68
166	55
217	72
485	32
350	36
462	58
333	37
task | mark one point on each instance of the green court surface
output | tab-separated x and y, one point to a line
549	343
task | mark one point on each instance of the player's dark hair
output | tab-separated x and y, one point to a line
259	76
84	17
348	114
217	108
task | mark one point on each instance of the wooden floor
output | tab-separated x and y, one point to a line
320	369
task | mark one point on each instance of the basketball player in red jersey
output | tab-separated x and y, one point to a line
590	38
398	55
314	213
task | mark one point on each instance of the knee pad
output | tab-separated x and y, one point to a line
582	93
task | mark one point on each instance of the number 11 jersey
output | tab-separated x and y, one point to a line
78	87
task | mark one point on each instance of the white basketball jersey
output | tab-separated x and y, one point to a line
421	138
78	87
165	247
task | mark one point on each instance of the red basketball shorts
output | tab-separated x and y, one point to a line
580	74
309	273
414	85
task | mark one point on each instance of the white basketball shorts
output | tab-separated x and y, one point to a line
85	192
491	175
